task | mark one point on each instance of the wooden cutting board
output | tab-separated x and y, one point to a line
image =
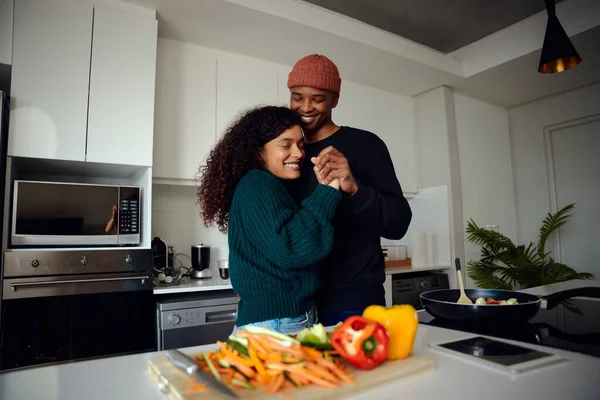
386	373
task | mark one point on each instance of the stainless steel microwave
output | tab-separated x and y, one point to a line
57	214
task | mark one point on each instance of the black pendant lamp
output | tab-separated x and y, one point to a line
558	53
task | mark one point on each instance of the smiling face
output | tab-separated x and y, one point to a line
313	106
283	155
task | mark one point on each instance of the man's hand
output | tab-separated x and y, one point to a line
331	164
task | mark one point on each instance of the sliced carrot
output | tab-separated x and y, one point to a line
229	376
335	370
239	376
244	369
255	344
307	374
257	364
323	372
276	384
195	388
238	359
300	379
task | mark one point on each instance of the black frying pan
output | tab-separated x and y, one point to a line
442	303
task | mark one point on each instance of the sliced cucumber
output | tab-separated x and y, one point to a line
257	330
211	367
243	384
224	364
240	340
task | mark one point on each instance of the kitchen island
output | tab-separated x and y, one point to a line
127	377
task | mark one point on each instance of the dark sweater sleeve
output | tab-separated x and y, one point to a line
290	237
379	204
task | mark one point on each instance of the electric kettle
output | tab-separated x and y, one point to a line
200	262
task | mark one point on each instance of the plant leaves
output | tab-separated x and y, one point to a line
504	265
550	224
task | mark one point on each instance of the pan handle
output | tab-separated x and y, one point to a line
555	299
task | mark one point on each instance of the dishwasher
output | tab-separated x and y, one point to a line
195	320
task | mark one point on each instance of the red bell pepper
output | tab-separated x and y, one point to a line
361	342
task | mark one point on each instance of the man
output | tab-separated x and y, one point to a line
373	205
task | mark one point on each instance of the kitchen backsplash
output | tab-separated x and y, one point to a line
176	220
431	213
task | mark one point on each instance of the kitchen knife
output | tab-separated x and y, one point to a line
192	368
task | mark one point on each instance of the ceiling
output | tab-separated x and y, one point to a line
503	66
518	81
443	25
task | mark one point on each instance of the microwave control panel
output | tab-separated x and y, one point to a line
129	211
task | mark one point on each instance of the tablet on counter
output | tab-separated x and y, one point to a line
498	355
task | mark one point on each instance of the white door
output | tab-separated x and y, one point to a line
186	97
240	87
574	167
50	77
122	76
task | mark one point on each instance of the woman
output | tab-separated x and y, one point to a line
274	244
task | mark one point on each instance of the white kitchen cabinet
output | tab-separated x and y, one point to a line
356	106
394	124
240	87
82	83
122	76
186	103
50	78
389	116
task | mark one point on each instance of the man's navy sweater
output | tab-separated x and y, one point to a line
354	272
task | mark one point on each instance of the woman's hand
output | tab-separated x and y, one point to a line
335	183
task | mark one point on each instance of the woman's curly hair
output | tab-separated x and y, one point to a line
236	153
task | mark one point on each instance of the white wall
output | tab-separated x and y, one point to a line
176	220
527	123
485	168
6	28
437	156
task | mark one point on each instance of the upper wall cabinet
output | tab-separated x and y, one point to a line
121	105
66	52
186	103
50	77
240	87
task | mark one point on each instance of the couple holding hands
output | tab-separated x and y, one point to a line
305	203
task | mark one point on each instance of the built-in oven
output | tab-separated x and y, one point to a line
61	306
60	214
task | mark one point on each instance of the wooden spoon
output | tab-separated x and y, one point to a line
463	299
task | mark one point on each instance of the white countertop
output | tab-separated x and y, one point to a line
127	377
406	270
188	285
559	287
195	285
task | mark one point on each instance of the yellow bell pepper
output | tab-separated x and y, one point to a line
401	323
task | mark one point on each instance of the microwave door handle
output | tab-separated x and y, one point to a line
15	286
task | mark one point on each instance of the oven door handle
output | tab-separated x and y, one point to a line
15	286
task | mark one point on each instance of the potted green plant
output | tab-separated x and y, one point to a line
504	265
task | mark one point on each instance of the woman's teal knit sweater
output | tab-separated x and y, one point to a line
274	246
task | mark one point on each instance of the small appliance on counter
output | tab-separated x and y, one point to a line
163	264
200	262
